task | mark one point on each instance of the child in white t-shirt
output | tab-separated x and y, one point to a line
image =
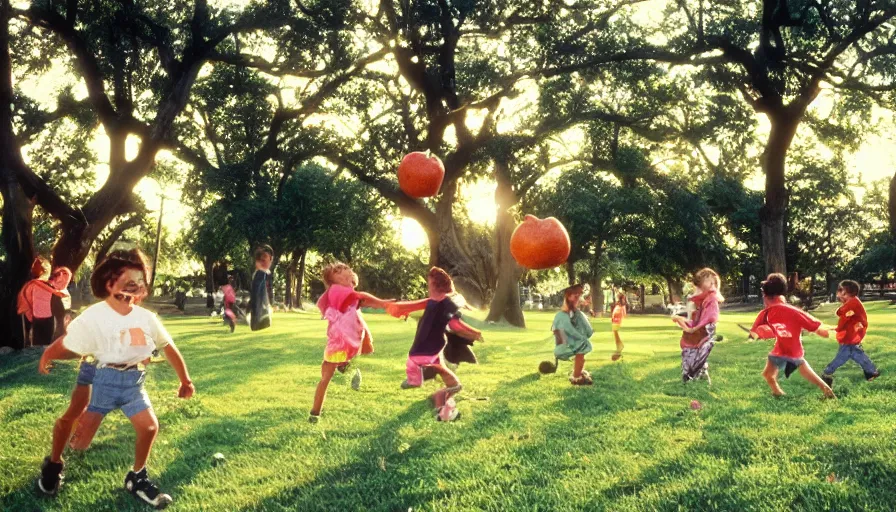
119	335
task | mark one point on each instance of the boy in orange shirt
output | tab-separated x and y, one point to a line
851	329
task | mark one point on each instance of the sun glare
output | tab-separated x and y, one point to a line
411	234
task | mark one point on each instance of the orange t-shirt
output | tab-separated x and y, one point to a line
851	314
618	314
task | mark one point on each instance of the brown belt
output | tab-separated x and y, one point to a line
123	367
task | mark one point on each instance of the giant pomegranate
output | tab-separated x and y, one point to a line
538	244
420	175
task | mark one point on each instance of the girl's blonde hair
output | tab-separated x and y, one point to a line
331	269
708	273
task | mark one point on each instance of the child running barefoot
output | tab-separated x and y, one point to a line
698	335
620	311
347	332
851	328
120	336
786	323
440	312
572	331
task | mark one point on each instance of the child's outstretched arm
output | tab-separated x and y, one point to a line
373	301
405	308
177	362
464	330
55	351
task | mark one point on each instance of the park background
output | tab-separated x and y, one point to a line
748	136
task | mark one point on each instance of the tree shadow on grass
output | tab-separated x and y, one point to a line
392	470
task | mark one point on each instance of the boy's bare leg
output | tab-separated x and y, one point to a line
771	376
809	374
326	374
62	430
88	424
146	426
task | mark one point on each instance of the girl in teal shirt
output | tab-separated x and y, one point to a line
572	331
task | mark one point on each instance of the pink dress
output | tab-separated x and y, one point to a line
229	300
347	331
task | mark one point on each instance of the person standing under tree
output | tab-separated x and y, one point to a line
262	291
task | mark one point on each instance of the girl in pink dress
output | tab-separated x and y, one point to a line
229	301
347	332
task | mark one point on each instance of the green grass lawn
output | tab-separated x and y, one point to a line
524	442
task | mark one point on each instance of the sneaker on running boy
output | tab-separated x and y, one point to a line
144	490
50	477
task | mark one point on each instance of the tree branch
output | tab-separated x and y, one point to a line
85	61
244	60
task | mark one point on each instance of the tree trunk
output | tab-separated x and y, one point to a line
16	230
891	208
811	296
115	235
209	282
827	286
300	281
597	295
643	304
676	289
19	248
745	283
506	301
571	272
773	212
597	292
290	275
473	274
114	198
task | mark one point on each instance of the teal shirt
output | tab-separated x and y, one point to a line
577	329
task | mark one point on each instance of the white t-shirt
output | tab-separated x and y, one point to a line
113	338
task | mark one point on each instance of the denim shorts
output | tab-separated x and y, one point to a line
115	389
788	364
86	373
